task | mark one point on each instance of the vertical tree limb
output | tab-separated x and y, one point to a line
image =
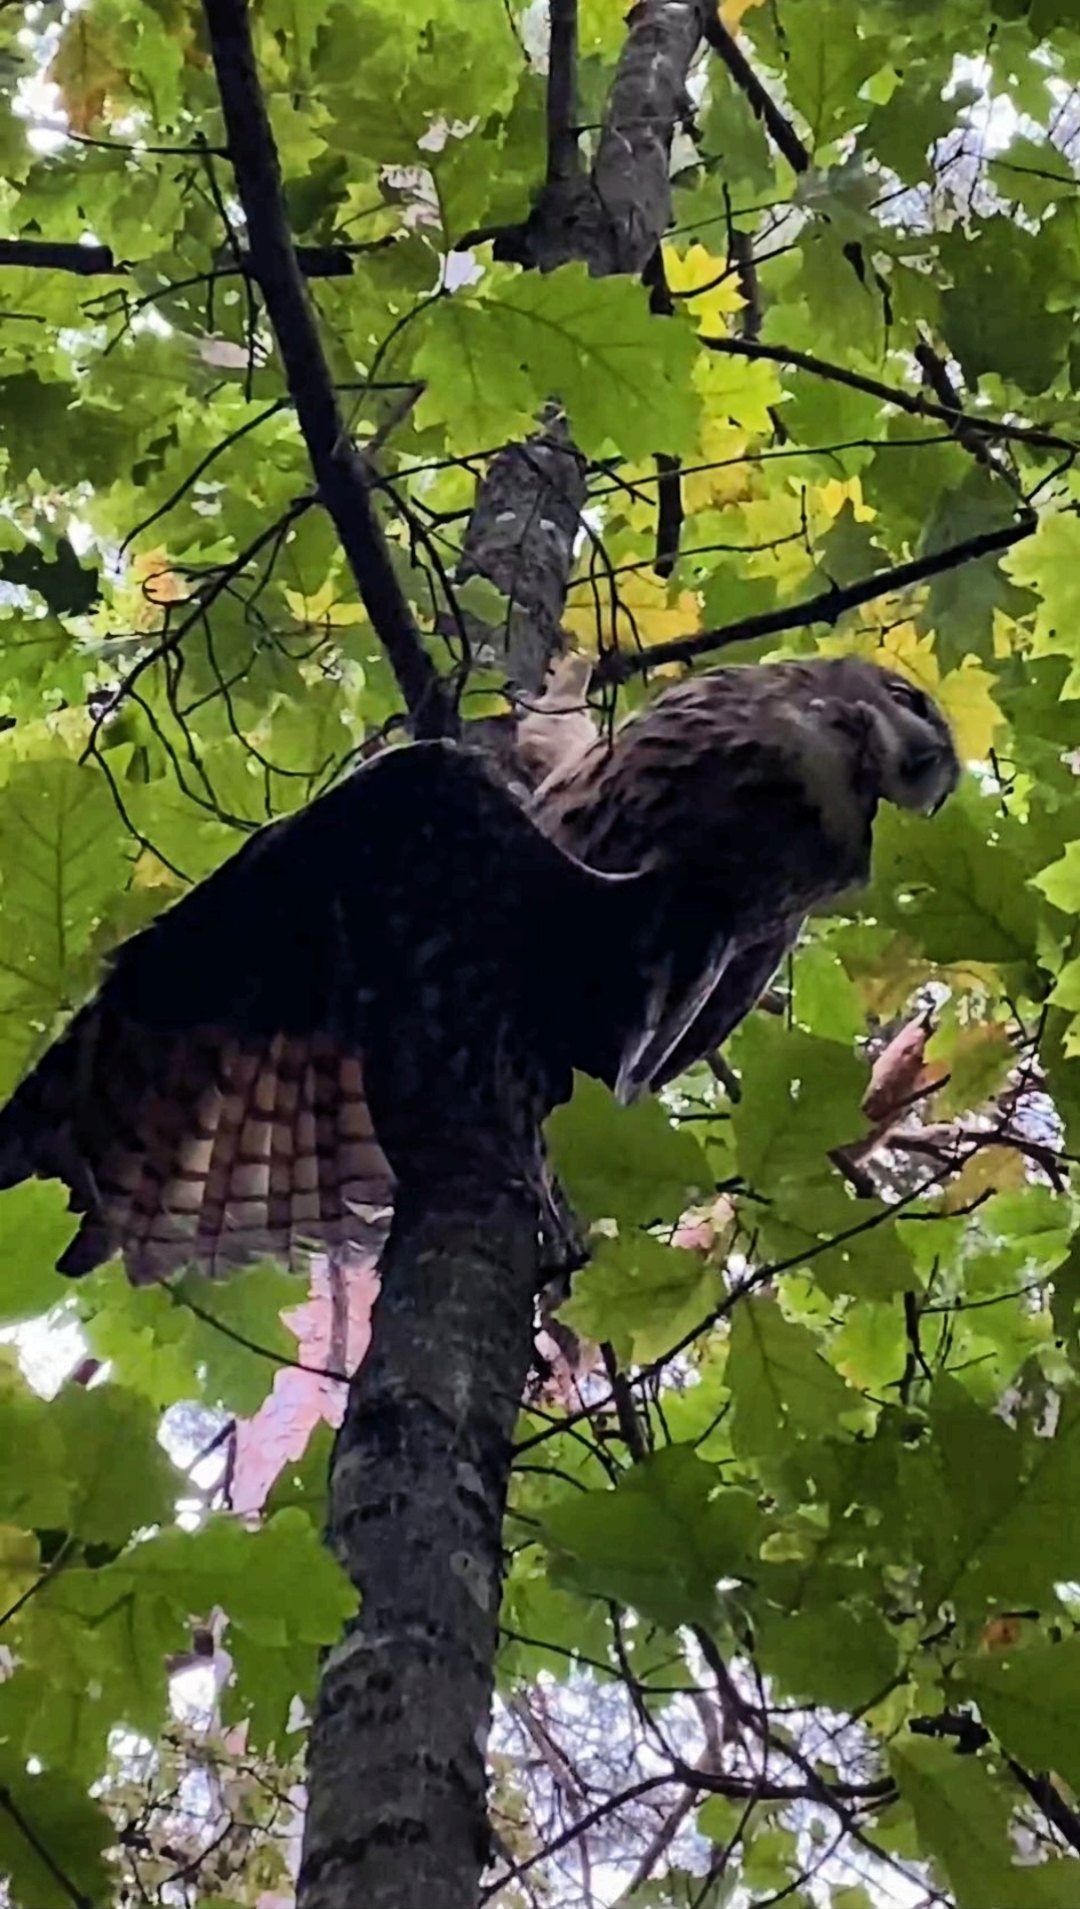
397	1781
563	155
528	508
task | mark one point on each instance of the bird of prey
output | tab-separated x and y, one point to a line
754	789
236	1084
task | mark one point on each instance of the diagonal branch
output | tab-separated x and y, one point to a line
777	125
800	158
618	666
913	402
341	474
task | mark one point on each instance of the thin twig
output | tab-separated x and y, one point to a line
915	403
616	666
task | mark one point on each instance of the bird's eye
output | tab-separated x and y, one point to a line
909	697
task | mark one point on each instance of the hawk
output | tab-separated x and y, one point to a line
220	1098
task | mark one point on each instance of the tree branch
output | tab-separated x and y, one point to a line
615	218
96	261
913	402
49	255
618	666
397	1782
339	470
563	155
777	125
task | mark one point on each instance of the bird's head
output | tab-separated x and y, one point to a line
910	745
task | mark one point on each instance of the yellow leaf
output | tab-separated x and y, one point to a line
737	391
838	492
966	696
708	284
156	578
728	480
150	871
61	732
324	607
20	1563
731	11
911	655
87	69
991	1170
773	530
1007	637
644	613
977	1060
887	980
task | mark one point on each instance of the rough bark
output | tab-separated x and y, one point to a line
528	508
521	538
614	219
397	1779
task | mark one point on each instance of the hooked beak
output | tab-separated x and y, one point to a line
934	772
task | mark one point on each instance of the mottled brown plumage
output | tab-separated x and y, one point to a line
220	1097
751	792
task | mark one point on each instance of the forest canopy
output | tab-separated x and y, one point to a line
792	1597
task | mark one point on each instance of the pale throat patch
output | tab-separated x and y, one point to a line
821	757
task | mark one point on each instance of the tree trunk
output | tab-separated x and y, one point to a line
397	1782
397	1785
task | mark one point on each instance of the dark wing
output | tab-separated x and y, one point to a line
209	1104
735	990
688	955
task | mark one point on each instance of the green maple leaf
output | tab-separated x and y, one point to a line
35	1227
801	1096
625	1163
782	1388
953	889
994	319
642	1296
659	1542
1028	1699
963	1820
120	1478
65	854
494	359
